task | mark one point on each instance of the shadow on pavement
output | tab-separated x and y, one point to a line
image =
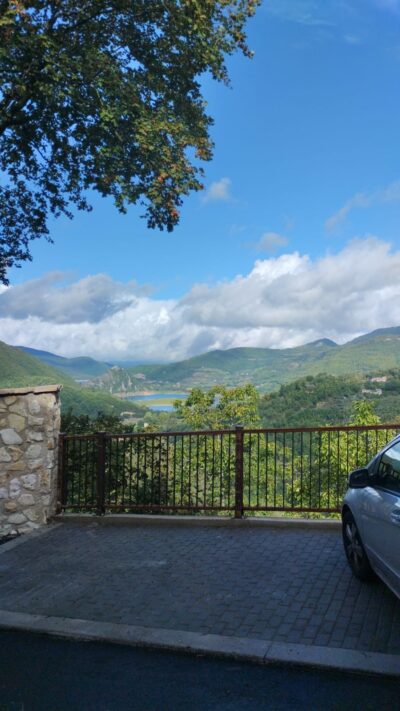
40	673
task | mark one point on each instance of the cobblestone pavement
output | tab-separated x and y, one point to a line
281	585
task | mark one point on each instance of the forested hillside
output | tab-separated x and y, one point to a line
327	400
18	369
82	368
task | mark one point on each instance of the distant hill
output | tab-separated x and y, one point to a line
380	332
18	368
327	399
266	368
78	368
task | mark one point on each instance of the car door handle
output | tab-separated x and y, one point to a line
395	516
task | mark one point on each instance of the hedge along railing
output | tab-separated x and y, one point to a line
259	470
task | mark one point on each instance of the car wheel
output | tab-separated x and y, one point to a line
355	553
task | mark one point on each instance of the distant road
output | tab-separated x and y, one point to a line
46	674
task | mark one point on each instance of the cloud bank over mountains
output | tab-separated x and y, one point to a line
283	301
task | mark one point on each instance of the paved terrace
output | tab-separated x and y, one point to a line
283	585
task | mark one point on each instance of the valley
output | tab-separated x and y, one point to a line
311	384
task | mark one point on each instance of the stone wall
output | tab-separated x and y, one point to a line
29	428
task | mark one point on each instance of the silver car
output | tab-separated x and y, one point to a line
371	518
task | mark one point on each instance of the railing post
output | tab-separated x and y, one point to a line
101	472
239	473
62	474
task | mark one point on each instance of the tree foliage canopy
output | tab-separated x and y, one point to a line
220	407
105	95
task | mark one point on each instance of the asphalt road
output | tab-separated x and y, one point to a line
40	673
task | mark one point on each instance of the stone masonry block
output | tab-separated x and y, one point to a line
17	518
10	399
35	421
15	453
45	479
35	464
17	466
17	422
29	526
29	481
26	500
10	436
33	404
15	488
19	408
10	506
4	455
34	451
47	401
34	515
34	436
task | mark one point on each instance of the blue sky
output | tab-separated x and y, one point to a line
304	185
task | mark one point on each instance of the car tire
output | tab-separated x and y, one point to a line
354	549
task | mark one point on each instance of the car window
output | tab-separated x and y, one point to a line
388	473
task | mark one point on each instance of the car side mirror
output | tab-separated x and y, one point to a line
359	479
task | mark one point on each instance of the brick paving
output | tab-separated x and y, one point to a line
283	585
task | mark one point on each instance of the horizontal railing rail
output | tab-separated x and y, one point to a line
242	470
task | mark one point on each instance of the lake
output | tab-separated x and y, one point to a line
163	406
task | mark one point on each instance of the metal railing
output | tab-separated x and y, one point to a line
253	470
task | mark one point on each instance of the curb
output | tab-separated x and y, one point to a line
250	650
247	522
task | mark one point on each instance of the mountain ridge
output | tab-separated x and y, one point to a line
80	367
266	368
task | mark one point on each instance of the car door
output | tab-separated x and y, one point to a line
380	512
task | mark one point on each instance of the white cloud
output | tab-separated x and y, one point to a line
389	194
91	299
301	12
219	191
283	301
270	242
